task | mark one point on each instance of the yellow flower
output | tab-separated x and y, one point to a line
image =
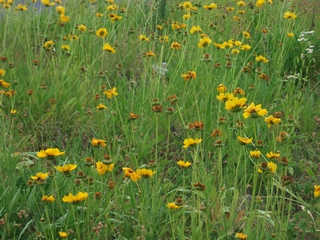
316	192
65	47
175	45
145	172
111	92
159	27
241	236
272	155
143	38
47	199
186	16
48	44
245	140
260	3
112	7
149	54
272	121
21	7
66	168
261	58
225	96
269	167
254	111
50	152
114	17
98	142
101	32
82	28
60	9
103	168
187	5
101	106
135	176
108	48
290	34
184	164
81	196
47	3
289	15
172	205
99	15
245	47
190	142
127	171
221	88
64	18
204	42
13	111
63	234
241	3
2	72
255	154
246	34
196	29
189	75
235	51
40	177
211	6
235	104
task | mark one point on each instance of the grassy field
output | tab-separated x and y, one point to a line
159	119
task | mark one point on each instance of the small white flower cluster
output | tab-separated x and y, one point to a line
303	38
161	70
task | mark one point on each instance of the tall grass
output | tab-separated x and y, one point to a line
159	109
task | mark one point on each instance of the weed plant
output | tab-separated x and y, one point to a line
159	119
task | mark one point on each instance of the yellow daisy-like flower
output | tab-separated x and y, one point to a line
260	3
245	140
63	234
103	168
108	48
221	88
245	47
128	172
82	28
40	177
186	16
241	3
66	168
60	9
184	164
4	84
271	120
235	104
81	196
101	106
187	5
211	6
145	172
47	199
267	167
204	42
190	142
175	45
225	96
241	236
149	54
48	44
316	192
289	15
290	34
254	111
101	32
255	154
273	155
65	47
64	18
2	72
98	142
111	92
47	3
50	152
195	29
246	34
261	58
143	38
172	205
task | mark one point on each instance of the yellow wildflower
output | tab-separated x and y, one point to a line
50	152
81	196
